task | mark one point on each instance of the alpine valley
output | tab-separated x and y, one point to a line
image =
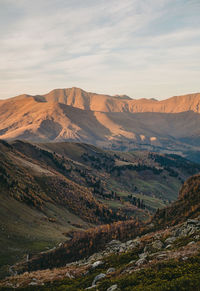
99	192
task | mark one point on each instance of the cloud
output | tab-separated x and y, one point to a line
140	48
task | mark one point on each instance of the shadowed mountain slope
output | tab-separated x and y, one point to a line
187	205
116	122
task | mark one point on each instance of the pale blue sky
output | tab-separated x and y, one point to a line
142	48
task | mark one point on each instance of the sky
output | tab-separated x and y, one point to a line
141	48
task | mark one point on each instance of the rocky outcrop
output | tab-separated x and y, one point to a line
179	242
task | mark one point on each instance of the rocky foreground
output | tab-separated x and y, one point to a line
159	260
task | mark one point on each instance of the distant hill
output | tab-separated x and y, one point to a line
115	122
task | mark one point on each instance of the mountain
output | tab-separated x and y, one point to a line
75	215
115	122
50	190
78	98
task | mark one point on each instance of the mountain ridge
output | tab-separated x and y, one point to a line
107	121
77	97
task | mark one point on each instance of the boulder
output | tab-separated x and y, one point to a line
141	262
113	242
91	287
162	256
128	243
192	230
192	221
97	264
98	278
170	240
168	247
122	250
147	248
131	262
33	284
113	246
157	244
143	255
113	288
186	229
110	270
95	257
69	276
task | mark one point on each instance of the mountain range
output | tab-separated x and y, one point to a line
111	122
89	186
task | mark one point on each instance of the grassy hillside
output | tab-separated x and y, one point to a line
39	206
187	205
48	191
123	178
162	260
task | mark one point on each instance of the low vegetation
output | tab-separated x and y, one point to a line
55	192
82	245
187	206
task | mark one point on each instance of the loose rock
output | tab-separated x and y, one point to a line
158	245
97	264
141	262
113	288
143	255
168	247
110	270
170	240
98	278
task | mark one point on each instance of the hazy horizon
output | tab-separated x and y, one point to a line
143	49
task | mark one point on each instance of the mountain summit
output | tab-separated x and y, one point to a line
81	99
118	121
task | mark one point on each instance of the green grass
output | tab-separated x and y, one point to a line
151	201
114	204
172	275
166	190
25	230
162	189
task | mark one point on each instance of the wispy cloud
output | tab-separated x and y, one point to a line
141	48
